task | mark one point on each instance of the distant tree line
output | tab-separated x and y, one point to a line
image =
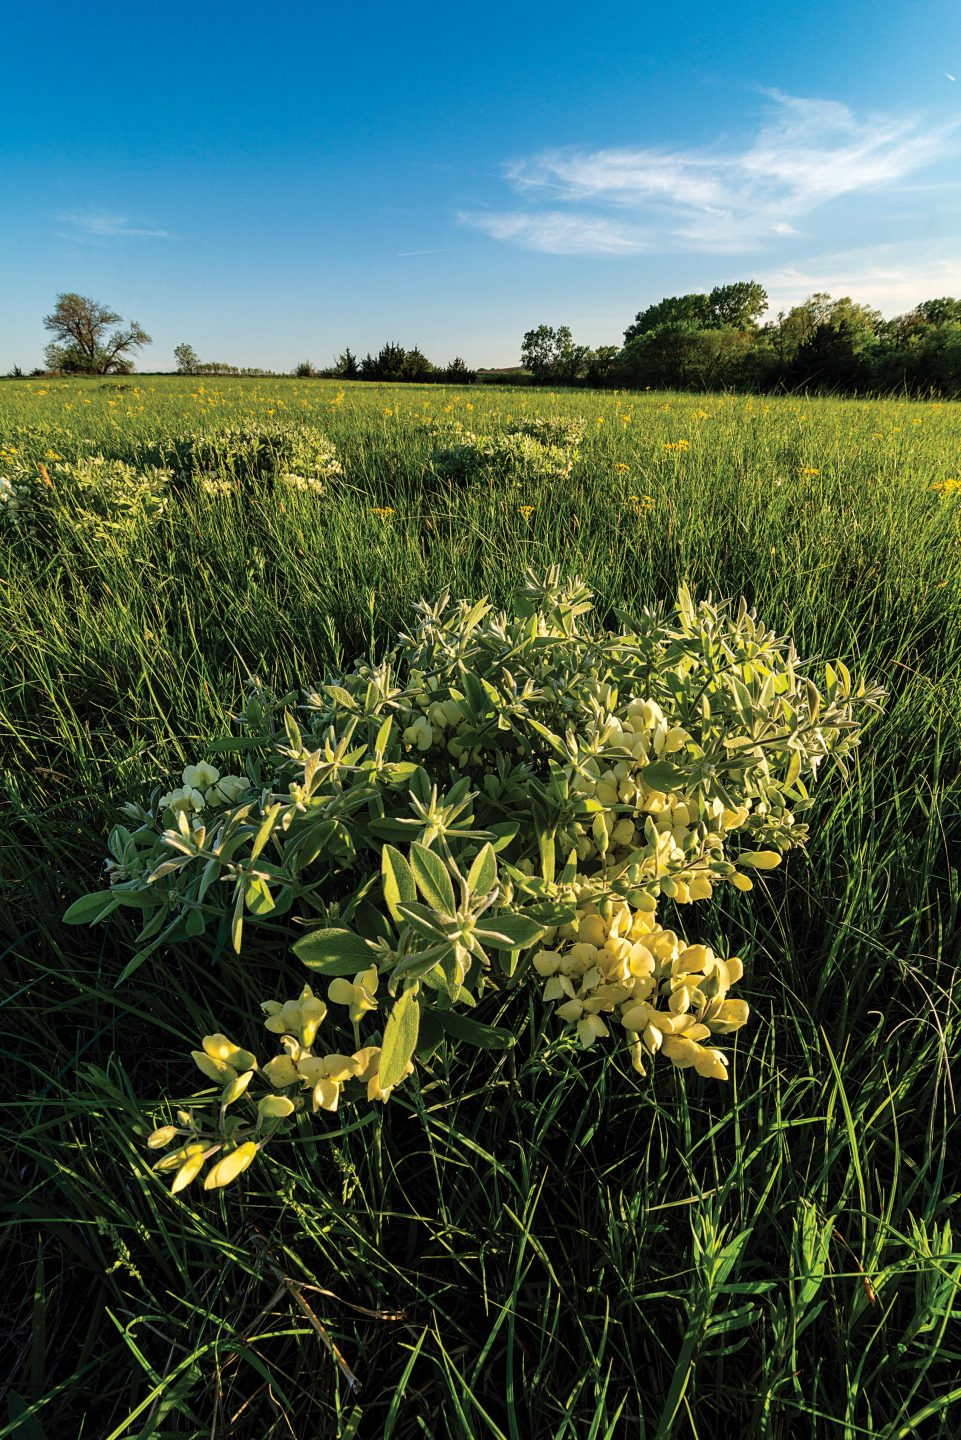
189	363
716	341
701	341
393	362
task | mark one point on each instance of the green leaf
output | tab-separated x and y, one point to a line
472	1032
237	922
383	735
264	830
132	895
334	952
429	1035
195	923
294	737
91	908
398	878
662	775
504	830
400	1039
257	897
398	772
508	932
371	923
341	696
424	920
545	844
482	876
311	842
552	912
433	880
211	872
555	741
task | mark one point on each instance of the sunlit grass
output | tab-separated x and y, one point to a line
534	1244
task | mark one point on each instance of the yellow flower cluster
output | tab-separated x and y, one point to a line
298	1021
669	996
946	487
643	731
324	1075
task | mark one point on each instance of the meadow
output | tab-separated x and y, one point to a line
530	1243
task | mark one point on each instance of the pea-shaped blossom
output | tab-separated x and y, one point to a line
358	994
201	776
300	1018
668	996
368	1074
227	790
186	798
420	734
221	1060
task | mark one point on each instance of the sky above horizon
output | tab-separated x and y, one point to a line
274	185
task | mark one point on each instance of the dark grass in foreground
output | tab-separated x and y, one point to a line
537	1244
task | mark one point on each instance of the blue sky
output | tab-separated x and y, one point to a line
274	183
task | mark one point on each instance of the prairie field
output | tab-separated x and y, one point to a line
534	1242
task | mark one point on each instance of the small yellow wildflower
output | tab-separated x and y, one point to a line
357	995
382	511
526	510
677	445
807	470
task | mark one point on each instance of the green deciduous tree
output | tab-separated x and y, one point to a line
90	338
739	305
553	357
693	309
188	361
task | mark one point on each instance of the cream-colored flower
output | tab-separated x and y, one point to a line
185	798
368	1062
200	777
358	995
301	1018
227	790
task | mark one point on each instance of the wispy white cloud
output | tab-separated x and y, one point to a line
806	153
557	232
891	277
106	226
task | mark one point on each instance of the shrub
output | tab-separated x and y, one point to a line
295	454
107	498
564	432
464	456
502	799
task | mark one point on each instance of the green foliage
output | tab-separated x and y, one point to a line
187	359
552	781
90	338
461	456
714	341
220	460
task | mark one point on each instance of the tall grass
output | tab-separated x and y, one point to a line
537	1244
